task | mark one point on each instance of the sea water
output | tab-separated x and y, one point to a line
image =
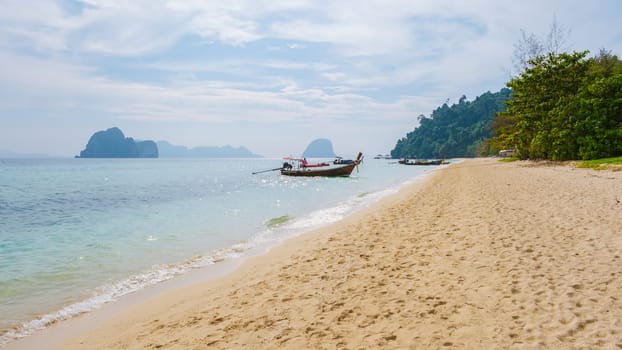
78	233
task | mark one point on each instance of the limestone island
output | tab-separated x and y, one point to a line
112	143
319	148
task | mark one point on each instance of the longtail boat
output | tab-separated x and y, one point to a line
422	162
331	171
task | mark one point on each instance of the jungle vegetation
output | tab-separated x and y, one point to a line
459	130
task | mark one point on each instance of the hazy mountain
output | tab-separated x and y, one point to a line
10	154
168	150
319	148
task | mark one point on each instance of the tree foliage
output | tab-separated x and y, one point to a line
564	106
457	131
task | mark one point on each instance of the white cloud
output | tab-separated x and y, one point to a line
334	76
184	100
222	25
296	46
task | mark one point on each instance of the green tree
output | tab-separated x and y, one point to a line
564	106
536	120
599	105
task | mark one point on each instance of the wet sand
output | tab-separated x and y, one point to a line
480	255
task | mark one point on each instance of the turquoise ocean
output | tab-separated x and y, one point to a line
76	234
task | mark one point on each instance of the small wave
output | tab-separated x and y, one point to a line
113	292
274	222
322	217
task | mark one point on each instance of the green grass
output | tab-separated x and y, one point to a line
600	164
509	159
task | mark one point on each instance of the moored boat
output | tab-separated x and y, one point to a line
386	156
422	162
330	171
428	162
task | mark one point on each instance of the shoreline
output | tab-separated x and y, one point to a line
480	254
57	332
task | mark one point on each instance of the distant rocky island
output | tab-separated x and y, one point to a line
319	148
168	150
112	143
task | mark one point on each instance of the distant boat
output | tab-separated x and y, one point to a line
406	161
380	156
331	171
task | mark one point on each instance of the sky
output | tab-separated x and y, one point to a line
268	75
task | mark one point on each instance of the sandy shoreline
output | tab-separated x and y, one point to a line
481	255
